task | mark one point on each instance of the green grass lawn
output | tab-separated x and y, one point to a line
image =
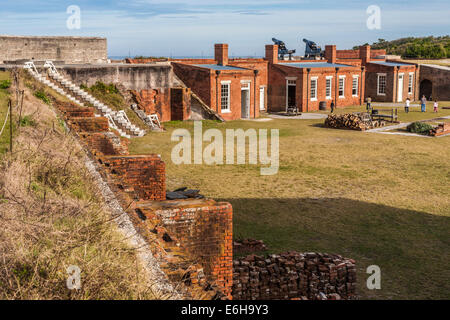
379	199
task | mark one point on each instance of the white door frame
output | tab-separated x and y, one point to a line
287	89
245	86
401	79
262	97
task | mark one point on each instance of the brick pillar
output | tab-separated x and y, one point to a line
272	53
221	53
330	53
364	54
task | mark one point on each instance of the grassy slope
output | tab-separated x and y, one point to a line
53	216
379	199
4	95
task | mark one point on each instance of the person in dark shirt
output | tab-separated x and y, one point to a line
332	106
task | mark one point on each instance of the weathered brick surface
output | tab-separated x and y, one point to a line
294	275
71	110
154	101
101	143
145	174
203	228
180	103
89	124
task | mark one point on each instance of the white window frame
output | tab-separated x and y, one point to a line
228	84
379	75
357	85
330	78
315	80
410	83
343	87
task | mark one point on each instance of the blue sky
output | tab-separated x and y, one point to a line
190	28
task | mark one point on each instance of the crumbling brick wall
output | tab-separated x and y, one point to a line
89	124
294	275
180	103
104	144
146	174
204	229
153	101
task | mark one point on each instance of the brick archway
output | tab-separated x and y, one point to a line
426	88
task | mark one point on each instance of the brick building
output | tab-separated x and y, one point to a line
233	88
242	88
304	84
386	81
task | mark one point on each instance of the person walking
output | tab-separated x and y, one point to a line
332	106
435	106
407	105
424	103
369	103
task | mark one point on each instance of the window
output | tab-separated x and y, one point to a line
328	84
381	84
225	96
355	86
313	89
292	82
410	83
341	86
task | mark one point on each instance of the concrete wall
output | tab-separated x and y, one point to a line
67	49
131	76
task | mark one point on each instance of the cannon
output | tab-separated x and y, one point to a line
282	50
312	50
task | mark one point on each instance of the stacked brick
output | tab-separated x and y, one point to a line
204	229
145	174
293	275
104	143
89	124
71	110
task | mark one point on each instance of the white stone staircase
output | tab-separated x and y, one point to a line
118	120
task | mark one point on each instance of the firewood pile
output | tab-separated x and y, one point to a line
294	276
353	121
248	246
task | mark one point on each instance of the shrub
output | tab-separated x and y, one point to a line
419	127
41	95
27	121
5	84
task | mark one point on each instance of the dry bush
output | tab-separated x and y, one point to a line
53	216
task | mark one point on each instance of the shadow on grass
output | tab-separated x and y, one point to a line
412	248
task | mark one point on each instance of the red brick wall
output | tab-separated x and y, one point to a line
196	78
89	124
204	230
180	103
354	54
71	110
277	87
100	144
146	174
154	101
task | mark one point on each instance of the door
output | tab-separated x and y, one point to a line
400	88
291	92
262	99
245	101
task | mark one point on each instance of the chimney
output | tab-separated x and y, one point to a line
364	54
221	53
330	53
272	53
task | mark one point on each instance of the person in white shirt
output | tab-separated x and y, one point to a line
407	105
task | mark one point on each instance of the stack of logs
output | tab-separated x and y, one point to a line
440	130
352	121
293	276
